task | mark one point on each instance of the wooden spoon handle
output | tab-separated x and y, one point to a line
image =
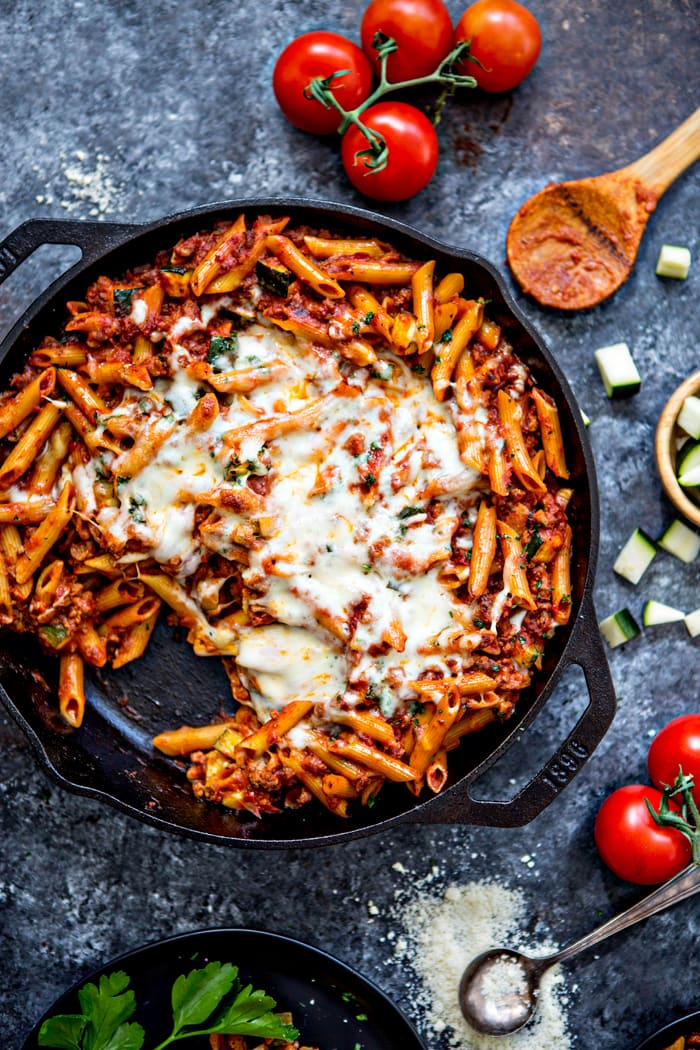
662	165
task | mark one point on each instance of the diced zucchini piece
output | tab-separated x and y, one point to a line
585	418
690	479
689	457
228	742
689	416
681	541
688	466
656	613
692	622
275	277
619	628
121	297
673	261
635	557
618	371
175	281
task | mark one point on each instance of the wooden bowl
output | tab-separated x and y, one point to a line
666	433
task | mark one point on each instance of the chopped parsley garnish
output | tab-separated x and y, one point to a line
369	480
533	544
479	623
122	300
408	512
222	345
446	336
135	511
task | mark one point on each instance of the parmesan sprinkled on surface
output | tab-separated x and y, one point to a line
442	934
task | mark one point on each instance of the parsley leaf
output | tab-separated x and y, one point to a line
63	1032
196	995
251	1014
106	1007
205	1001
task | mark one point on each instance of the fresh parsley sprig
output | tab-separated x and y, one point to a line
205	1001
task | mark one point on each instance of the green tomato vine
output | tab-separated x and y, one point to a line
376	153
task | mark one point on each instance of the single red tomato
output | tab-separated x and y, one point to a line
413	152
421	28
505	37
320	54
677	744
631	844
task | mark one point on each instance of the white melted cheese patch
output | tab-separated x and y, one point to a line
346	559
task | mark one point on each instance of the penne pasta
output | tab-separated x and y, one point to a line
71	689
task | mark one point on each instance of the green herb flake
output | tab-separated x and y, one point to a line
136	503
53	634
122	300
220	346
408	512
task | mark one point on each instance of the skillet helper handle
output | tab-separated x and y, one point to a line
93	238
585	649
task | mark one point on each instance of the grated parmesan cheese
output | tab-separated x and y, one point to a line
443	934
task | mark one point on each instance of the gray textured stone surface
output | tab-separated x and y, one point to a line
170	105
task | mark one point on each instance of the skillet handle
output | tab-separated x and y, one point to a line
586	650
93	238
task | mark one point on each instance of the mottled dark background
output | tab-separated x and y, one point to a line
128	111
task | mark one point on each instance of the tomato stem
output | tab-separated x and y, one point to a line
376	153
669	818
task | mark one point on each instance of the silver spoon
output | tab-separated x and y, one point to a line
499	989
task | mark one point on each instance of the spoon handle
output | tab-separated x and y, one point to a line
663	164
676	889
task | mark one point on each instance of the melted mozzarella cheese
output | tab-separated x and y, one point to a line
281	663
346	558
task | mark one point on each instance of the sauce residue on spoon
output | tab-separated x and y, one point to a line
574	243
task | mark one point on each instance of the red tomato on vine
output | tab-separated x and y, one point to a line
677	744
412	158
632	844
320	54
505	38
421	28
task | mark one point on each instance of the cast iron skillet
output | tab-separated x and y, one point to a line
666	1036
331	1004
111	756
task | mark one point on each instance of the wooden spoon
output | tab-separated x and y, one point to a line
574	243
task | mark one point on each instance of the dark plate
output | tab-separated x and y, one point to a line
326	997
665	1036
